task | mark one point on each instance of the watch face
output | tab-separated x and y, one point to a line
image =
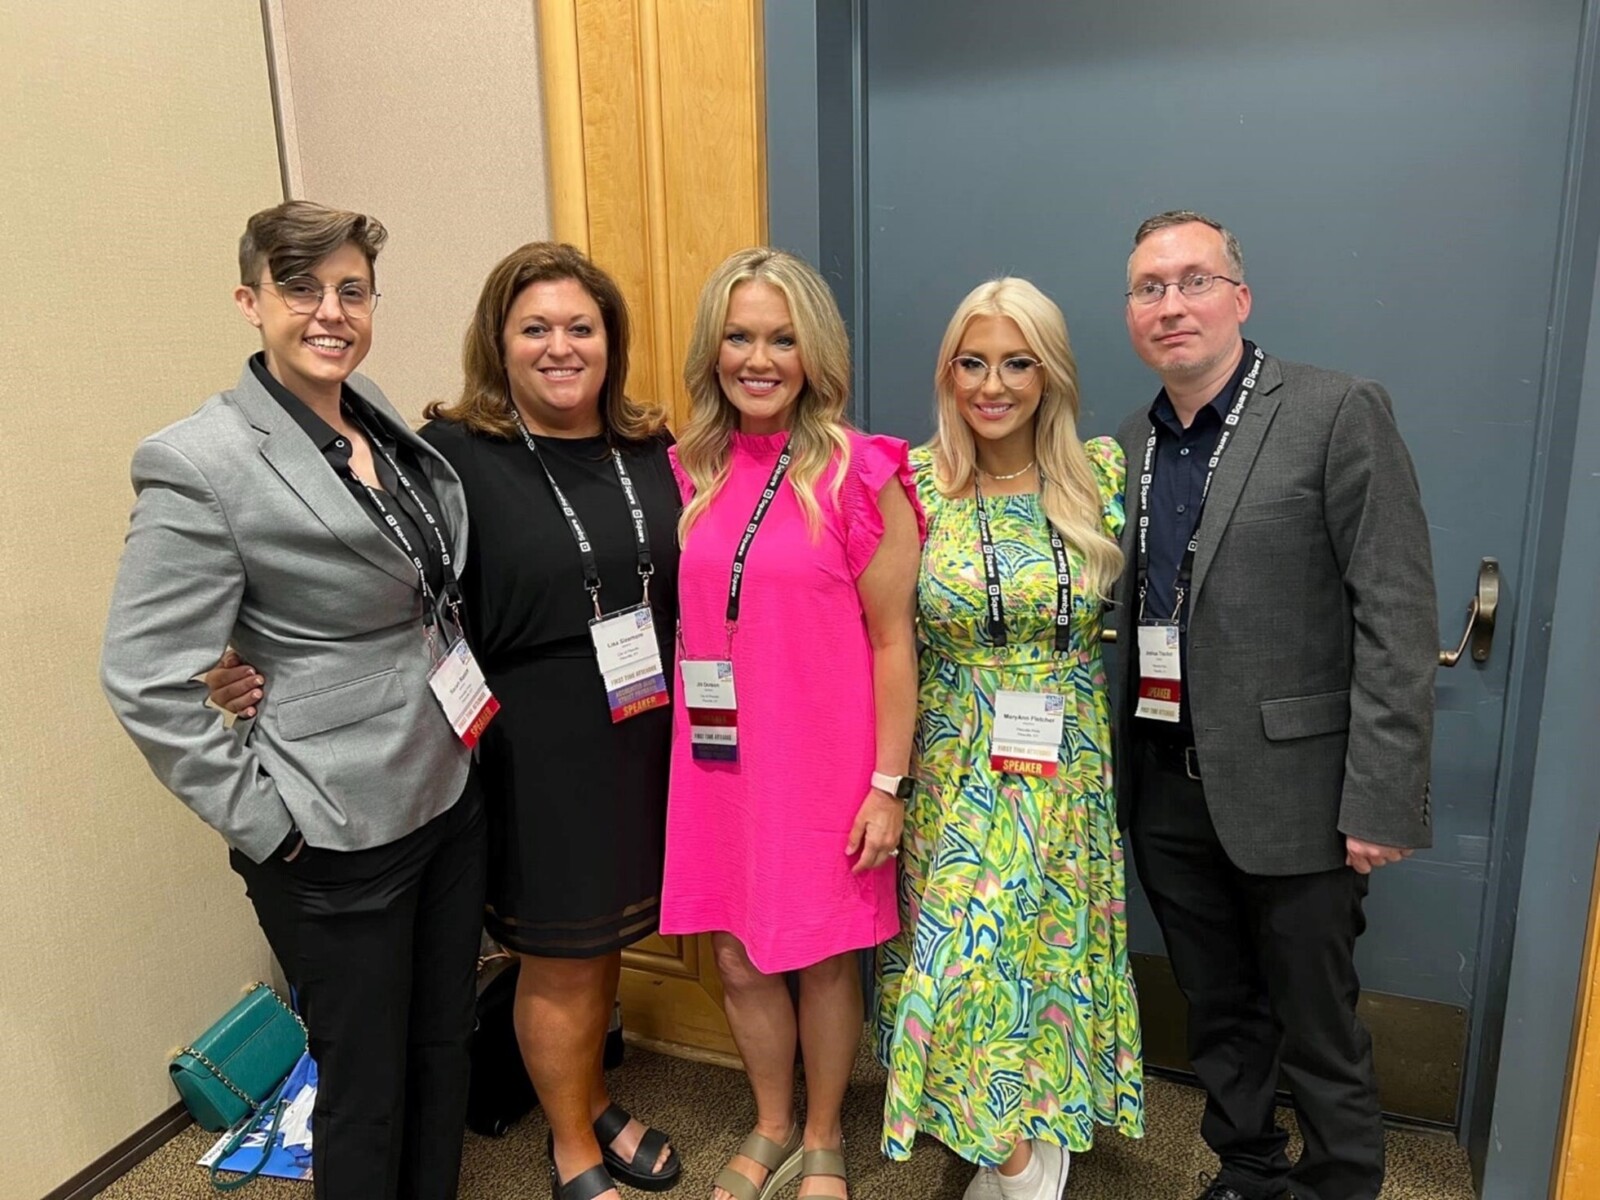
906	787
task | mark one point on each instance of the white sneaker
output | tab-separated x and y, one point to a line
985	1185
1066	1166
1044	1178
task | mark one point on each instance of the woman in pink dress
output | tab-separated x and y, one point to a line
796	698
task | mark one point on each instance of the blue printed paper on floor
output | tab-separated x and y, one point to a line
290	1157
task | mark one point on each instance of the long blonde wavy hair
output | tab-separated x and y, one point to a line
1067	488
817	431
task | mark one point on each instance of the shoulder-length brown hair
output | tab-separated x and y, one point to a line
485	402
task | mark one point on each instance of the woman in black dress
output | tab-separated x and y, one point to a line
574	767
576	774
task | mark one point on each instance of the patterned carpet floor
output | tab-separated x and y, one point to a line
707	1110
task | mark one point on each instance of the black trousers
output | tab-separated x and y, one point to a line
381	948
1266	964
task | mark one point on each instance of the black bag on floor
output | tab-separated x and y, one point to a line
499	1095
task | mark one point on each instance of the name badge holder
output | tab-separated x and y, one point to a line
708	682
1028	726
1160	641
625	643
455	678
1160	672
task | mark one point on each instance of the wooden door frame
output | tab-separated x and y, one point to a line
656	125
1577	1172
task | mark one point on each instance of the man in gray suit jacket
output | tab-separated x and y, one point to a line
1278	638
298	517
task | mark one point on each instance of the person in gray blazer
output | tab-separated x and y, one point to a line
297	517
1277	637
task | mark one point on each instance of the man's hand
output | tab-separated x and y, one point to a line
1365	856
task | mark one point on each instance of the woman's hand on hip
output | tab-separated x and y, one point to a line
234	686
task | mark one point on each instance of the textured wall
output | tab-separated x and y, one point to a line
137	137
430	120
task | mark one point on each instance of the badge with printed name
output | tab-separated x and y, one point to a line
458	685
713	710
1160	672
630	661
1027	733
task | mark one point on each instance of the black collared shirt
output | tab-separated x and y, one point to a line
1179	480
336	452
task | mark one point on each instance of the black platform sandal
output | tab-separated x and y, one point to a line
639	1171
585	1185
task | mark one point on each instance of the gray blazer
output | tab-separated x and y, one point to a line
1313	631
240	533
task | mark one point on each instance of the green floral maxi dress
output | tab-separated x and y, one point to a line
1006	1007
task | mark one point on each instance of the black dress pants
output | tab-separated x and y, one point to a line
381	948
1266	965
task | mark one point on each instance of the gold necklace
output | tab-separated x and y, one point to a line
1013	475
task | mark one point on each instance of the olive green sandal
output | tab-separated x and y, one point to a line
782	1161
824	1162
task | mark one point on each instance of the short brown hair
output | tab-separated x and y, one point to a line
485	402
295	236
1185	216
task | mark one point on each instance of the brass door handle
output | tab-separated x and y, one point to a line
1479	633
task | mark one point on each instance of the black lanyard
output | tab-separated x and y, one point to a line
1186	565
432	604
991	579
736	581
591	565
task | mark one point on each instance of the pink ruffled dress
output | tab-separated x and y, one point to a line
756	848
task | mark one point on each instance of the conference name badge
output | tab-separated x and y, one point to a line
458	685
1160	672
1027	733
630	661
713	710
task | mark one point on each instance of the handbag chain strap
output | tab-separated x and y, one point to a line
275	1102
259	985
221	1078
217	1071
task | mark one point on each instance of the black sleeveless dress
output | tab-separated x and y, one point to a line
576	804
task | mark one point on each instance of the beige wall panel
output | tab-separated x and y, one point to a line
428	116
137	137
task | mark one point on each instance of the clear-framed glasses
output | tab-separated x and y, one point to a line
1151	291
970	371
303	294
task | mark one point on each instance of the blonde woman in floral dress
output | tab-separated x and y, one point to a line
1007	1016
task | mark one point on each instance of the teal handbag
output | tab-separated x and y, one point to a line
234	1068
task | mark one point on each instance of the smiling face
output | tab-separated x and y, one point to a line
555	357
312	354
759	364
1186	339
998	414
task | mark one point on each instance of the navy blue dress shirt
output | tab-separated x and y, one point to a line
1179	479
